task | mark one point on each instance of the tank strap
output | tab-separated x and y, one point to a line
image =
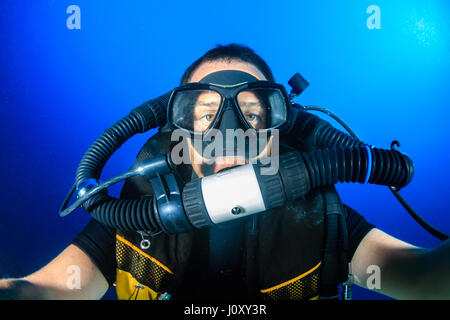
335	267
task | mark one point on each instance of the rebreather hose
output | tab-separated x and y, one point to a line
395	191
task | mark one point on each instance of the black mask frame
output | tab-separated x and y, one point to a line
229	94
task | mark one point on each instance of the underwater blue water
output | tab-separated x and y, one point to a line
60	88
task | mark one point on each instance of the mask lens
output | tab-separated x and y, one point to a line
263	108
195	110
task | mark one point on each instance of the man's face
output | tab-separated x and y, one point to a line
208	103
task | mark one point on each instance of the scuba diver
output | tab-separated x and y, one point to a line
302	244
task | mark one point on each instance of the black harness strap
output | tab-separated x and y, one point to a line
334	269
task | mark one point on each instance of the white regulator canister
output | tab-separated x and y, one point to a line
232	194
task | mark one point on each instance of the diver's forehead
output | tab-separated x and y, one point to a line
209	67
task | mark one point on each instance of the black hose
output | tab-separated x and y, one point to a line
332	165
436	233
309	132
125	215
328	166
119	213
149	115
335	117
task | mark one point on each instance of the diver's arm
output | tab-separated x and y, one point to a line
54	281
406	271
